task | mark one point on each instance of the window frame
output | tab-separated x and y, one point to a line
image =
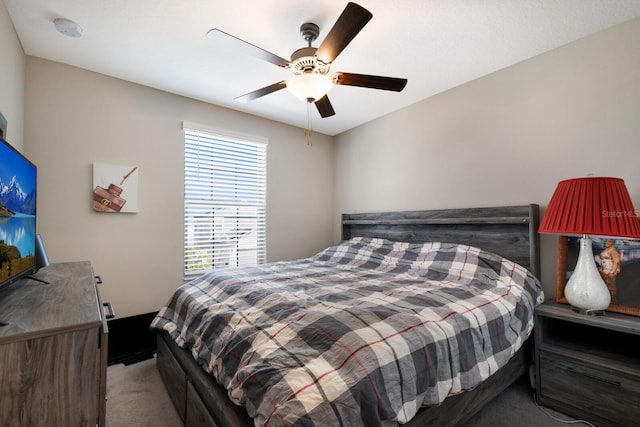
216	185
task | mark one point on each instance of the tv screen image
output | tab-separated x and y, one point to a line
17	214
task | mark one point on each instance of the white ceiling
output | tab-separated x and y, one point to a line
435	44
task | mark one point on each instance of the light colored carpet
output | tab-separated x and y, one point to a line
516	407
136	397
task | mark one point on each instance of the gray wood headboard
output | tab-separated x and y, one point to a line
510	231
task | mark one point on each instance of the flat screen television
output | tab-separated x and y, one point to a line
17	215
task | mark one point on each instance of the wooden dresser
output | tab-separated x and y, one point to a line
53	350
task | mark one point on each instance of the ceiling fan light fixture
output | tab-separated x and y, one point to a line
309	87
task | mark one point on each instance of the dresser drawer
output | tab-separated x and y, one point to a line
581	388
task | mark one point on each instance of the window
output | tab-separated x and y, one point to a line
224	200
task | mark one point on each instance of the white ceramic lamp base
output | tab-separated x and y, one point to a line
585	290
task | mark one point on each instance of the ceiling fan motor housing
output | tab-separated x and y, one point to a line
304	59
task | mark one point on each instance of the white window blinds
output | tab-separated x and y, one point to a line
224	201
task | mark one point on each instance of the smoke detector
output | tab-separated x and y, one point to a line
67	27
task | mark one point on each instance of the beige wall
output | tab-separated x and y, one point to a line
75	118
11	80
504	139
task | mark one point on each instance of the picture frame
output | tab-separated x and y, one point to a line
115	188
627	279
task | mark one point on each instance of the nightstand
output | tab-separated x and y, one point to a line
588	366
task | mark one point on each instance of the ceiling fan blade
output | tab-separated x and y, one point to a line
246	47
324	107
372	82
262	92
353	18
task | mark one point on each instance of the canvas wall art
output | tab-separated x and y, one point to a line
115	188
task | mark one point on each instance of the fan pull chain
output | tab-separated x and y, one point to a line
307	131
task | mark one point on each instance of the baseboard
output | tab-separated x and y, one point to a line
130	339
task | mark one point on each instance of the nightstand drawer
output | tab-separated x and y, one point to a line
588	388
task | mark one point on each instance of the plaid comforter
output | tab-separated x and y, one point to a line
362	334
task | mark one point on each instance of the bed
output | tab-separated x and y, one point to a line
377	271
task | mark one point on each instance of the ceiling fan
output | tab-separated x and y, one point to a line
310	66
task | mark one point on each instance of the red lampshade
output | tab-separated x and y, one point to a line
594	206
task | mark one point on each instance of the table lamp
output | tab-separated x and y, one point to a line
584	207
